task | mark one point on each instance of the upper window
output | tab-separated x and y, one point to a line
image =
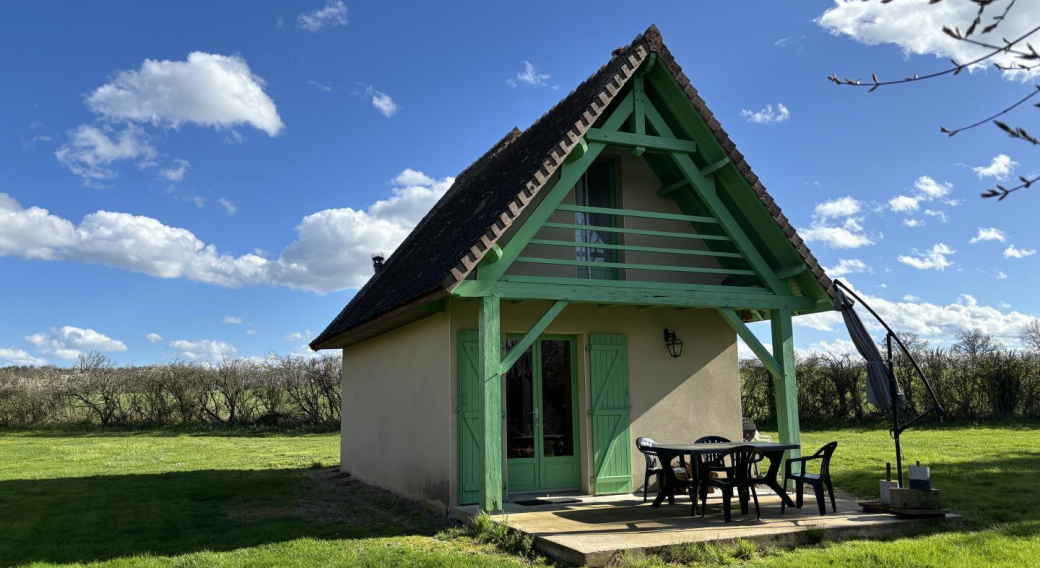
596	189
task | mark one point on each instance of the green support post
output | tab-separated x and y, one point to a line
786	384
490	354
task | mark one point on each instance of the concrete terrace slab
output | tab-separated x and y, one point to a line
600	528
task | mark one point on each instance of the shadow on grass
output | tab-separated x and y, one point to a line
99	518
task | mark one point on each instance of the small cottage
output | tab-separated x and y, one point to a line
582	284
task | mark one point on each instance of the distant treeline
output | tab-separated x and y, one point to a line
282	391
976	378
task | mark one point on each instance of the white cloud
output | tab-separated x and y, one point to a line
382	101
332	250
936	322
90	150
836	347
70	342
767	115
903	204
176	173
207	89
822	321
848	236
989	234
299	336
911	298
1014	252
321	87
916	27
842	207
20	357
938	214
233	320
153	338
229	207
932	259
1001	168
1001	275
791	45
529	76
847	266
332	15
205	350
926	190
929	189
250	332
913	223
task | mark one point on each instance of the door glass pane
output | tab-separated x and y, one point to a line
557	409
520	407
594	190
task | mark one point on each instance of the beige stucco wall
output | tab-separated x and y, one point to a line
397	411
673	400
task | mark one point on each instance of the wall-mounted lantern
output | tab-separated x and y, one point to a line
673	343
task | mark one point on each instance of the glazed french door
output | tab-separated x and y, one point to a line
541	401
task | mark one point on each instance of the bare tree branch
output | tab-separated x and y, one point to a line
985	120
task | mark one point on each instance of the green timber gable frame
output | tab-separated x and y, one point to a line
754	265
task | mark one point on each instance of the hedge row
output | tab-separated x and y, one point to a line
285	391
970	385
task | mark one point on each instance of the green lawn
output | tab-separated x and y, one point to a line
139	499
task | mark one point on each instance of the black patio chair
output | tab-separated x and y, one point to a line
817	480
654	467
739	478
712	462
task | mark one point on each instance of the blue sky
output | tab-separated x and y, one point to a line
181	180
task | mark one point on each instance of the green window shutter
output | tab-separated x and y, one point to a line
470	434
611	451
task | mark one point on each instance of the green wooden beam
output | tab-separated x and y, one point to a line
493	255
641	284
647	65
644	232
579	150
638	213
634	266
704	187
791	271
647	141
708	170
532	334
489	330
635	248
596	293
752	342
570	174
665	190
759	220
787	384
638	112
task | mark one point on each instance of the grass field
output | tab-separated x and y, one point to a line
141	499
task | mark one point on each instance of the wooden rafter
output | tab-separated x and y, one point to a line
532	334
634	293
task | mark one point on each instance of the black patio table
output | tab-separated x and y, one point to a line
668	452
